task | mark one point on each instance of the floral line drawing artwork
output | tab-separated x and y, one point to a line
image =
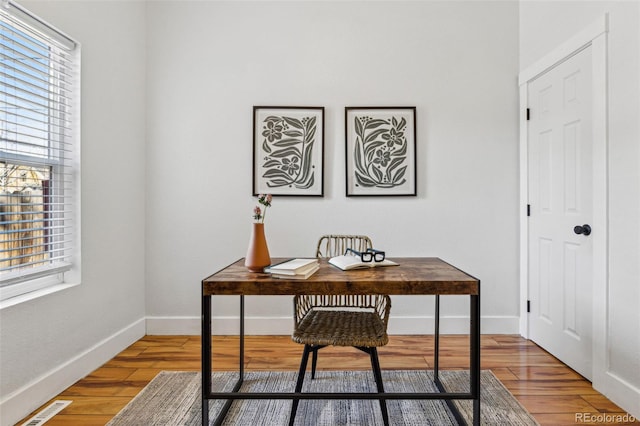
288	150
380	150
288	144
380	144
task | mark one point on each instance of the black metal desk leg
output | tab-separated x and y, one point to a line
436	338
241	367
225	408
475	355
206	357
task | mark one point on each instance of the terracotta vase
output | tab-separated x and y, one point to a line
258	253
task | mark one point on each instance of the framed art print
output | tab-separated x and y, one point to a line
288	150
380	151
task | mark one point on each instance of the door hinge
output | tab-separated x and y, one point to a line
528	306
528	210
528	114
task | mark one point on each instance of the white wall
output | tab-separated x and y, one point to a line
210	62
543	26
49	343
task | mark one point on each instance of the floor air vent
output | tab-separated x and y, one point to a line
43	416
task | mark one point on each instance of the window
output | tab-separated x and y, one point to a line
39	152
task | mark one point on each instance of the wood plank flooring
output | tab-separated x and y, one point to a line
552	392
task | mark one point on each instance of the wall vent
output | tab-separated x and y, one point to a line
47	413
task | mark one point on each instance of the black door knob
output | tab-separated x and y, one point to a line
584	229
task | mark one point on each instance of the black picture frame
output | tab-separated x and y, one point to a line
288	150
380	151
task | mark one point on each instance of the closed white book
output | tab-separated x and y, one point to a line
299	276
292	267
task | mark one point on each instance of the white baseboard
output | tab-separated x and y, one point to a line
284	325
173	326
618	390
453	325
20	403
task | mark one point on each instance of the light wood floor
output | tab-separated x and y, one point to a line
551	391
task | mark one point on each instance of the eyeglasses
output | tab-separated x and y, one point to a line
371	255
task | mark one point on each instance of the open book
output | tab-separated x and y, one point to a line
347	262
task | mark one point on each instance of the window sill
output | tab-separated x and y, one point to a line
26	297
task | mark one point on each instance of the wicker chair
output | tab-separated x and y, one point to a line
340	320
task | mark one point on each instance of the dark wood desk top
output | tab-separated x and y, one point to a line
414	275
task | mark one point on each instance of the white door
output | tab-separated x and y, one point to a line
560	199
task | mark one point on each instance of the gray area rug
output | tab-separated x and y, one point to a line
173	398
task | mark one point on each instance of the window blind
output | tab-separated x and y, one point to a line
39	69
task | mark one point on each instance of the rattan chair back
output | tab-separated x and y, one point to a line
336	245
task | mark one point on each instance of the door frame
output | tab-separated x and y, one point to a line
595	36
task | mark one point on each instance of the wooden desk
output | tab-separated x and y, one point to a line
419	276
